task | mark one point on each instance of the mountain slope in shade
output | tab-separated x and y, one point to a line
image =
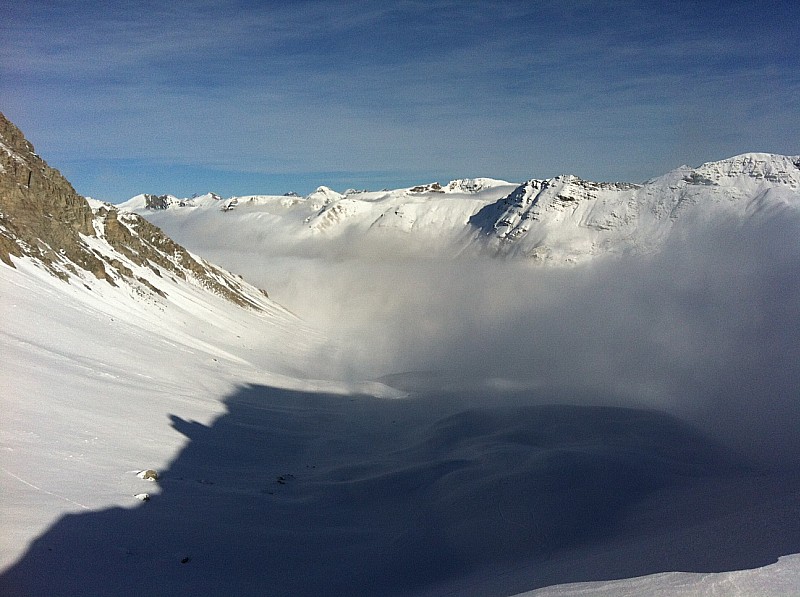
559	220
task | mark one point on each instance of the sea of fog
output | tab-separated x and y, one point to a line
707	329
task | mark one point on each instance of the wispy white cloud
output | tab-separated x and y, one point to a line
517	89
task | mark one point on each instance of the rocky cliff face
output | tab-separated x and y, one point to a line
42	218
41	215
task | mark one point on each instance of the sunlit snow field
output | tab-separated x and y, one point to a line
414	424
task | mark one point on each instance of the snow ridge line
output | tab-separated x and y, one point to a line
21	480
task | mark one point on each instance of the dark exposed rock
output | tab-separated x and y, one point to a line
42	215
156	201
696	178
433	187
43	218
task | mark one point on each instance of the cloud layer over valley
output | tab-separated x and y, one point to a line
707	328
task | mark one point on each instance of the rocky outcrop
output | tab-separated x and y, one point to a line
41	215
433	187
156	201
44	219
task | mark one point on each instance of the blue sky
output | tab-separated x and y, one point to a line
263	97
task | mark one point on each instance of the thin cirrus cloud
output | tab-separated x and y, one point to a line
412	91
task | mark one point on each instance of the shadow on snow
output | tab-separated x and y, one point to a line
294	493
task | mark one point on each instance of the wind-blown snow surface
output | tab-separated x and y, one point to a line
532	426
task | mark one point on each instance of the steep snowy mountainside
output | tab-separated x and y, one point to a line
745	183
430	210
749	168
94	375
566	208
43	219
566	219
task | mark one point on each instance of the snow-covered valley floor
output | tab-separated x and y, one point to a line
276	482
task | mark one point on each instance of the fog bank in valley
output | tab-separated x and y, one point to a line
707	329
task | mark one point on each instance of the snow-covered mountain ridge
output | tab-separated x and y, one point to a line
558	220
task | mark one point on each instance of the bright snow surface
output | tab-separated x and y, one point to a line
274	484
618	421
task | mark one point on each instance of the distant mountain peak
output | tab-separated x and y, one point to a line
323	197
563	219
747	170
780	169
473	185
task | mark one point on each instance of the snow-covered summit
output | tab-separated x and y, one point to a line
159	202
473	185
460	185
771	168
746	169
323	197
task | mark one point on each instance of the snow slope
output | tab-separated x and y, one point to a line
272	483
89	380
282	472
774	580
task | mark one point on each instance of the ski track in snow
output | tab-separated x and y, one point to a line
58	495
